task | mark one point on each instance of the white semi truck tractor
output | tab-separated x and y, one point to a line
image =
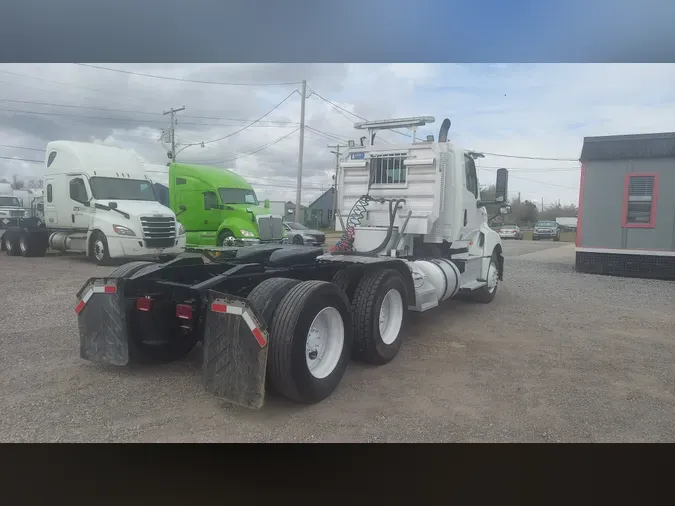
415	233
97	201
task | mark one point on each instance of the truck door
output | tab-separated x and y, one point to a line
212	210
80	196
51	214
472	216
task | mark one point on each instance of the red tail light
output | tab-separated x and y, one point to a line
184	311
144	304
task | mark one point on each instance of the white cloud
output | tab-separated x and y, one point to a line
528	110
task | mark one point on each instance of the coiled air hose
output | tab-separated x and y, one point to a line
346	243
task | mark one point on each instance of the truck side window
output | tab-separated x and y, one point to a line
210	200
471	178
78	192
180	180
49	193
52	155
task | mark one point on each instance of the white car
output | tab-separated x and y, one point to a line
510	232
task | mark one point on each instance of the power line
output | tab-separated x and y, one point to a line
128	120
54	82
21	159
195	81
538	182
21	147
339	108
529	157
257	150
532	169
327	135
107	109
253	122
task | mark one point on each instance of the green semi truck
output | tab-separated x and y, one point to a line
219	208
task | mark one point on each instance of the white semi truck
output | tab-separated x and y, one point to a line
415	234
98	201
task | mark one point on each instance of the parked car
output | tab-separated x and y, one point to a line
546	230
299	234
510	232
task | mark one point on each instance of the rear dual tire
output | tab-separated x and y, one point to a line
314	328
24	243
379	308
309	336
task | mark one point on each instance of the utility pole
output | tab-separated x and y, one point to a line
172	130
335	178
542	204
298	193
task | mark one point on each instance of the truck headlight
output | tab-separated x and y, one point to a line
181	229
246	233
120	230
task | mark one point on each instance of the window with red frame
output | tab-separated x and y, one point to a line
640	199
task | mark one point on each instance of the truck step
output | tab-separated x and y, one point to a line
472	285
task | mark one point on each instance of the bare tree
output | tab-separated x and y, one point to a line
17	184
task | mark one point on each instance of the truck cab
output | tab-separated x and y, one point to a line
97	200
419	200
220	208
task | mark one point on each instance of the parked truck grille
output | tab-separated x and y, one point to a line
270	228
159	232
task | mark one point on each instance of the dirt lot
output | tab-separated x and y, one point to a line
558	356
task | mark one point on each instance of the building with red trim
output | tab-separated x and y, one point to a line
626	224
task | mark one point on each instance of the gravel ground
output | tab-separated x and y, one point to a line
558	356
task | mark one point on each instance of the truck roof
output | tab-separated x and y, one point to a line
89	157
214	176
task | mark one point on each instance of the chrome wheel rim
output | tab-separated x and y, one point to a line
99	250
493	277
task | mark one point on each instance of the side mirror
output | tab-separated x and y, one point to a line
112	205
267	203
505	210
182	207
502	185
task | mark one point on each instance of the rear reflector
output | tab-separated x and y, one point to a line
98	286
184	311
144	304
219	306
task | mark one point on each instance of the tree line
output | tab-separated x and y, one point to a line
526	212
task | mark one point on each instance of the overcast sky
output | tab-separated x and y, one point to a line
533	110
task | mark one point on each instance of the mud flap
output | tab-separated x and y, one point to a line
235	350
101	318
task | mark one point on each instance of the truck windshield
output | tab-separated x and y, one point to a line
238	196
9	202
111	188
